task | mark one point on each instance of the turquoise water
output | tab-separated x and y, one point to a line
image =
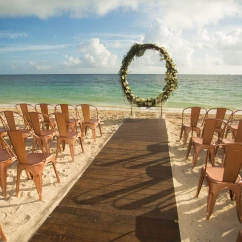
105	90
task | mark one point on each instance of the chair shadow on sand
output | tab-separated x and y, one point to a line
223	219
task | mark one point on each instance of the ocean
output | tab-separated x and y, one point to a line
104	90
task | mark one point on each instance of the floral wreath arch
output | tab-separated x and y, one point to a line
138	50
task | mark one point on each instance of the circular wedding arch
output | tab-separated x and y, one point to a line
138	50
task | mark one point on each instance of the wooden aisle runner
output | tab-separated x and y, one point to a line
126	194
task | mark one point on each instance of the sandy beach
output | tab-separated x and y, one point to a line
20	217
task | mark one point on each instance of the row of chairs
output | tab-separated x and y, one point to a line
193	119
212	134
43	127
80	114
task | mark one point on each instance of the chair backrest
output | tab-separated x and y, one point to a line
194	113
237	115
238	136
61	123
220	113
232	162
9	116
44	108
208	130
64	109
18	143
35	122
86	112
24	108
4	125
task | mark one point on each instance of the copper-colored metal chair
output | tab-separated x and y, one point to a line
206	141
15	121
2	235
237	137
23	109
32	163
6	159
44	135
224	114
233	124
90	118
64	135
192	120
46	109
69	110
223	177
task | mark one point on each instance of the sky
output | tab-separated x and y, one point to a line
93	36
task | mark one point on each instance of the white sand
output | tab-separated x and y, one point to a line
20	217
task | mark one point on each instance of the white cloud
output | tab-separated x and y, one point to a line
48	8
39	66
213	60
179	49
72	62
31	47
13	35
188	14
96	54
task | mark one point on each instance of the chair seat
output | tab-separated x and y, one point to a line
216	174
71	134
4	156
234	126
92	122
199	140
46	133
36	158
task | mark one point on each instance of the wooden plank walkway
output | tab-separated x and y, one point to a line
126	194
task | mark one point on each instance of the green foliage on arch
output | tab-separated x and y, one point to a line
138	50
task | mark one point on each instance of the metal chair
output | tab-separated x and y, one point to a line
64	135
225	176
192	120
32	163
207	140
90	119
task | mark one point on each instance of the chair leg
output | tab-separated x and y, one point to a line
181	132
56	173
63	143
72	150
201	179
3	177
34	143
212	196
19	170
57	148
38	182
195	157
197	149
82	130
237	192
189	148
2	235
212	155
94	134
80	139
99	125
185	138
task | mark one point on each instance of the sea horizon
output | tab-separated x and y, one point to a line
104	90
